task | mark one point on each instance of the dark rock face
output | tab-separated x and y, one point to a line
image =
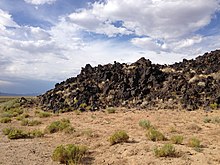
190	84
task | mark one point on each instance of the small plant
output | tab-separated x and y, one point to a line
118	137
58	126
6	131
177	139
37	133
173	130
5	120
145	124
155	135
13	112
83	105
194	142
214	106
69	154
23	116
26	122
207	120
69	130
111	110
14	133
43	114
214	120
11	104
168	150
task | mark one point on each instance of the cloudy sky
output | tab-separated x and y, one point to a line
47	41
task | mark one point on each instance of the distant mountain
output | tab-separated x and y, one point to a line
190	84
16	94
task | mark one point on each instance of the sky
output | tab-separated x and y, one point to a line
43	42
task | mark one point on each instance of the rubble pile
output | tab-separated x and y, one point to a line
190	84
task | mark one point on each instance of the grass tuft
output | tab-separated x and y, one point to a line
5	120
69	154
154	135
177	139
145	124
168	150
118	137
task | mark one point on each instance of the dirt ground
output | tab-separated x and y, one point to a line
94	128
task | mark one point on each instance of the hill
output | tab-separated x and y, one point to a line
190	84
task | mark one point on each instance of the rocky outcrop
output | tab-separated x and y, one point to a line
190	84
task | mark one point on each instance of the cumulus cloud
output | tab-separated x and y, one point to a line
163	22
6	20
40	2
155	18
164	31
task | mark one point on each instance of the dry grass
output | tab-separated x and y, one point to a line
138	150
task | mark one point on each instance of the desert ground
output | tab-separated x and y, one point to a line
93	130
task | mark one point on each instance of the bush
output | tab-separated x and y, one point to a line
12	112
37	133
155	135
43	114
118	137
58	126
69	154
14	133
11	104
214	106
145	124
178	139
194	142
26	122
168	150
5	120
23	116
207	120
111	110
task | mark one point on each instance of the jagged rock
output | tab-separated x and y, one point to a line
191	83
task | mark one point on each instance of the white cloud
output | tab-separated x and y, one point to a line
40	2
6	20
164	32
154	18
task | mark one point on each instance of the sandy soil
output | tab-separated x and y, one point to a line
94	128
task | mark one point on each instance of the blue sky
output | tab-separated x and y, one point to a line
48	41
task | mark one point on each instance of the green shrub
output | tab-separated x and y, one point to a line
214	120
5	120
111	110
207	120
214	106
26	122
177	139
118	137
43	114
12	112
14	133
145	124
194	142
69	154
69	130
155	135
37	133
11	104
6	131
58	126
23	116
168	150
